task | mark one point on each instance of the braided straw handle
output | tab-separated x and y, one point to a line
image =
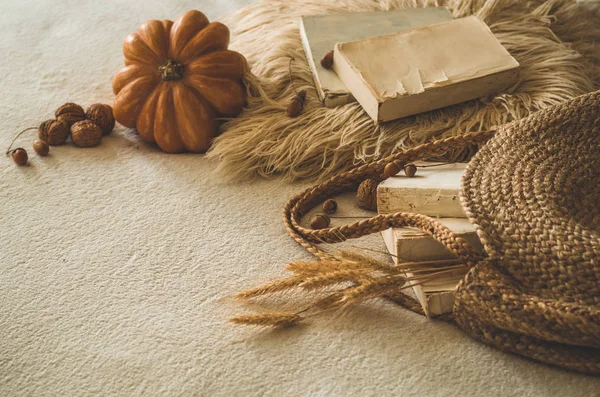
302	203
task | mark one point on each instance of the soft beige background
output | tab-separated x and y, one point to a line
117	261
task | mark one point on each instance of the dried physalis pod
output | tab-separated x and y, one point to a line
410	170
70	113
297	104
54	132
86	134
101	115
329	206
393	168
366	195
319	221
19	156
41	147
327	60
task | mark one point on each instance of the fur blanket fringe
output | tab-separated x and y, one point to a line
557	43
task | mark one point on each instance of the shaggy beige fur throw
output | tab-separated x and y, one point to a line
557	43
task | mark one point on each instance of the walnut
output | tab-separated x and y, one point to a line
53	132
101	115
71	113
86	134
366	195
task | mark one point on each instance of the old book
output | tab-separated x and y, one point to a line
432	191
320	33
425	68
413	245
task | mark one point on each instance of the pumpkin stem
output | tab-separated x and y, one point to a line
171	70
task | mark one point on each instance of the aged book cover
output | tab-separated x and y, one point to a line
413	245
320	33
432	191
425	68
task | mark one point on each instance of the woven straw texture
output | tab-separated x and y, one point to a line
533	192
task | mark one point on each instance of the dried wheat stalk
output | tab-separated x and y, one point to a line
369	278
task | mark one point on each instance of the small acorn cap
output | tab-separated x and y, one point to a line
410	170
329	206
327	60
319	221
19	156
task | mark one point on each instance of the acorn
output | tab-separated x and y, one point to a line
41	147
19	156
327	60
101	115
71	113
296	104
319	221
393	168
410	170
366	195
329	206
54	132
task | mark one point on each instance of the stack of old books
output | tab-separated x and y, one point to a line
433	192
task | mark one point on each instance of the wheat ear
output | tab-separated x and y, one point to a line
275	319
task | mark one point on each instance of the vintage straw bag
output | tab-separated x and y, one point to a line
533	192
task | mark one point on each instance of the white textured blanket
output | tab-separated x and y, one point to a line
117	261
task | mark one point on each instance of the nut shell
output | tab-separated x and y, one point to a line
366	195
319	221
86	134
329	206
410	170
19	156
71	113
327	60
391	169
101	115
53	132
41	147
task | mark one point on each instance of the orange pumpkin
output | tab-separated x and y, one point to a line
179	77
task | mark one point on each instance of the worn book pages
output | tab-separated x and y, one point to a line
425	68
320	34
413	245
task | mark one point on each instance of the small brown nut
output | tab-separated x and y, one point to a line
296	104
19	156
101	115
71	113
391	169
366	195
410	170
86	134
319	221
327	60
41	147
329	206
53	132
